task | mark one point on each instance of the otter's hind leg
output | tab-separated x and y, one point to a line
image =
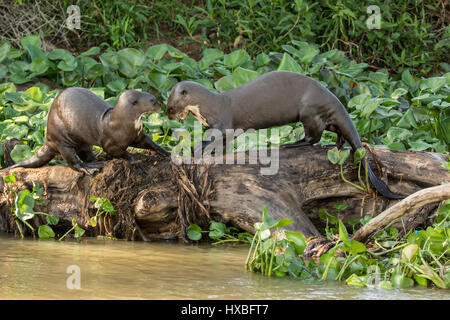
70	156
86	155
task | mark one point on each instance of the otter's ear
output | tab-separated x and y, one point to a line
184	92
134	102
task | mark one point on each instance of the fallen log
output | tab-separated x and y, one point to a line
156	200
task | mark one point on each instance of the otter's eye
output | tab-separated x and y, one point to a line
184	92
134	102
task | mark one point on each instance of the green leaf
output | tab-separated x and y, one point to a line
217	230
52	220
130	60
289	64
117	86
236	58
241	75
434	84
209	57
343	155
45	232
91	52
355	281
33	40
78	232
400	281
298	239
20	153
358	155
333	155
156	52
398	93
408	79
33	94
194	232
4	49
225	83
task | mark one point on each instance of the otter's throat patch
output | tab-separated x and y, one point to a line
196	113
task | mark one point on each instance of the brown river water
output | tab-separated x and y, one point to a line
37	269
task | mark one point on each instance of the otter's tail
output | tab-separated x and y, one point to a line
378	184
349	132
40	158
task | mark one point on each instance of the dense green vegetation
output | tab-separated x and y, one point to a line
395	83
413	34
403	112
421	257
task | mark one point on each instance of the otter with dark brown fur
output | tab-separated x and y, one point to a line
79	119
273	99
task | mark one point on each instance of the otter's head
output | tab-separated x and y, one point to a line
135	103
183	94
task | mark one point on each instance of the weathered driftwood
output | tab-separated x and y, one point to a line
156	200
406	206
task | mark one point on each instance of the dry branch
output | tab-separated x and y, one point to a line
403	208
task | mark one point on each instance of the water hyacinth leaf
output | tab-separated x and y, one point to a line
33	94
419	145
117	86
400	281
298	239
408	79
262	59
409	252
434	84
333	155
24	204
130	60
217	230
209	56
420	280
110	59
156	52
45	232
14	131
324	215
370	107
60	54
51	219
241	75
408	120
78	232
236	58
4	49
14	97
398	93
68	65
358	155
33	40
21	152
159	81
225	83
355	281
398	134
359	101
91	52
343	155
194	232
289	64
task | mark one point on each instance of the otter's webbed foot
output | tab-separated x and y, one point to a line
89	168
